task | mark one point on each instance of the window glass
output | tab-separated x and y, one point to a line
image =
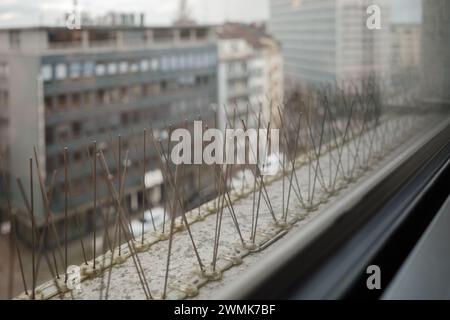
100	69
75	70
134	67
173	63
145	65
123	67
112	68
88	69
155	64
46	72
61	71
165	63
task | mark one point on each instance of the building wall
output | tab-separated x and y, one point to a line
362	52
70	93
26	123
274	80
242	79
435	80
177	84
406	46
306	31
327	41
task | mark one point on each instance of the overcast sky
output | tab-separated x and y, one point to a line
34	12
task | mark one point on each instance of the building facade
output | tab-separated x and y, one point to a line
327	41
406	46
435	63
68	87
250	73
406	55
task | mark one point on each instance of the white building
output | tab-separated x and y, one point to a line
250	73
406	46
327	41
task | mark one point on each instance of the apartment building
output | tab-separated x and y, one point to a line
327	41
62	87
250	72
406	54
435	82
406	45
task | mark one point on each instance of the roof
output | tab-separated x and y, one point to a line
109	27
253	33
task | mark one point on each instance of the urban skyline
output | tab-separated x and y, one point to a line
204	149
48	12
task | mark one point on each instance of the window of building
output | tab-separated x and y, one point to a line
165	63
115	95
99	36
198	61
88	69
100	69
48	104
61	36
101	96
163	35
136	90
134	67
190	61
155	64
205	60
88	98
153	88
76	100
63	131
136	117
212	59
62	101
134	37
174	63
124	97
182	62
47	72
201	34
112	68
186	81
163	85
145	66
123	67
185	34
61	71
75	70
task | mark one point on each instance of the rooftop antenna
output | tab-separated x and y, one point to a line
184	11
184	14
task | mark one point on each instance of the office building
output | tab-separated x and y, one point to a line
250	72
327	41
61	87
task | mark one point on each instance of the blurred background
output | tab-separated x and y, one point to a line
92	75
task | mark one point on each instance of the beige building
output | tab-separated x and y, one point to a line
406	46
250	72
328	42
